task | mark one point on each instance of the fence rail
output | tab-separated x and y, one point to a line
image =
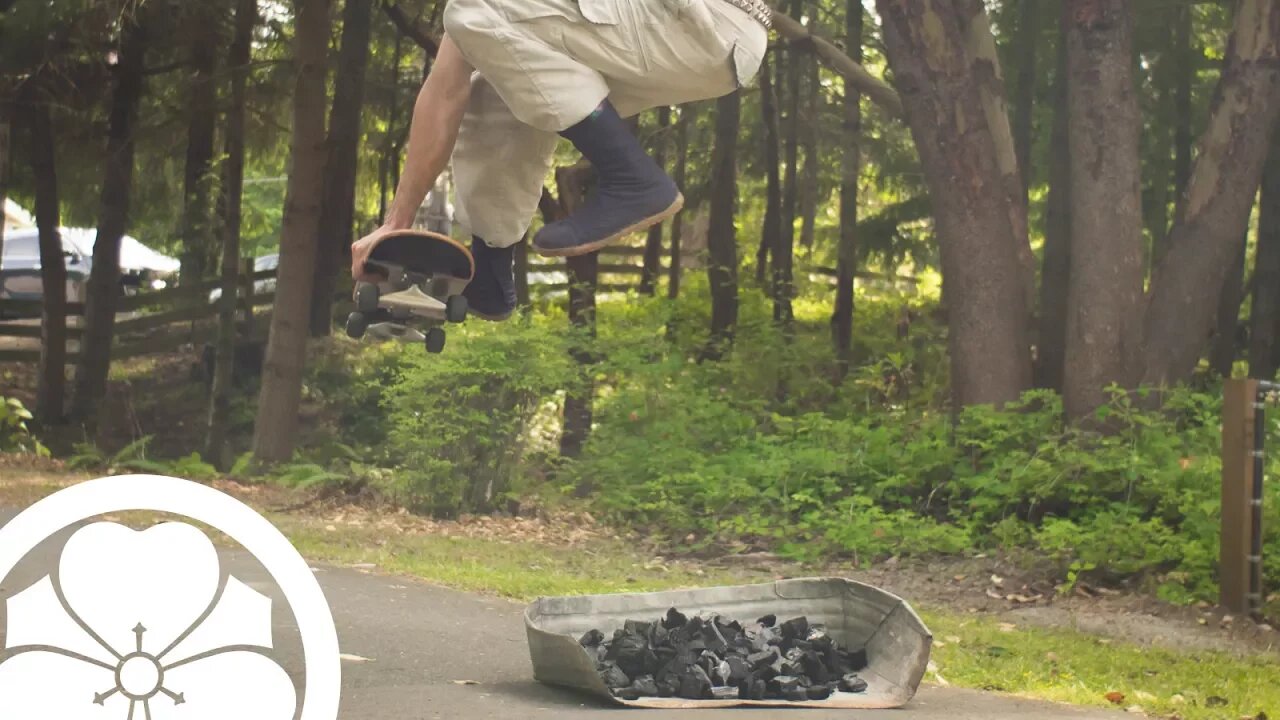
1244	433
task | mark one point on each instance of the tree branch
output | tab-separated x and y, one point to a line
409	27
876	90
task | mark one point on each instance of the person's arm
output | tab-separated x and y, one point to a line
432	133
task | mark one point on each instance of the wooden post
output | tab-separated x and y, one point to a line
1238	446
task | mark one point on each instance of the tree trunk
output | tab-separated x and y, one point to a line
722	246
653	243
6	156
276	429
51	386
1106	203
1027	42
1055	274
771	231
113	215
850	169
197	197
1264	320
1185	61
584	274
810	116
986	291
784	251
1222	356
338	208
679	175
385	180
1213	213
233	189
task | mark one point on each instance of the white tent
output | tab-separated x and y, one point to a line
133	254
15	217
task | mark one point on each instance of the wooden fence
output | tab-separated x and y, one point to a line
162	319
169	318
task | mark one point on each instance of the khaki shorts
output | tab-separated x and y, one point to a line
543	65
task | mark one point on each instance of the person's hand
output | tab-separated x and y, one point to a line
360	250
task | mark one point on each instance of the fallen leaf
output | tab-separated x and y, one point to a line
1144	696
1177	699
994	595
959	578
1135	709
1051	657
1202	621
331	528
953	639
1024	598
1227	620
354	658
997	580
1007	627
939	644
1115	698
466	682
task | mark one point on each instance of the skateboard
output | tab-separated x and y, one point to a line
424	276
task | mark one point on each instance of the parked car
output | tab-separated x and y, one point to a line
20	278
263	285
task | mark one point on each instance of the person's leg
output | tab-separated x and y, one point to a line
499	164
555	64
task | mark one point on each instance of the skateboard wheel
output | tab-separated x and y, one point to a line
357	324
367	296
455	309
435	340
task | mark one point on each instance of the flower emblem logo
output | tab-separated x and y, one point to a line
142	626
149	625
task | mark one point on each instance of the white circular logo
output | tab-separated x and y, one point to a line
146	625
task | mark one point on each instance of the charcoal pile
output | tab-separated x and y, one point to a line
717	658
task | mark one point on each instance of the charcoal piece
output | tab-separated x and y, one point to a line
786	682
756	689
739	669
819	692
632	654
854	660
814	668
760	659
602	652
724	692
674	619
773	636
591	639
818	638
802	645
657	635
714	639
666	690
694	684
795	628
627	693
696	645
645	686
852	684
723	674
614	677
768	620
796	694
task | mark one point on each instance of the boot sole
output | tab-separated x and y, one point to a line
589	248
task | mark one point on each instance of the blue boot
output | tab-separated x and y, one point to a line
491	294
632	191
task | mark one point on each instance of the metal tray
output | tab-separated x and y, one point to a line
856	614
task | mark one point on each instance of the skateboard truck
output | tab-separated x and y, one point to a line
386	314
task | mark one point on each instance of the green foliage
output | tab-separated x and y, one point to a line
133	458
15	436
448	433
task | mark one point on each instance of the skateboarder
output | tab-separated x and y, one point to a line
514	76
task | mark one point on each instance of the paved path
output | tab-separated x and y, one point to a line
410	642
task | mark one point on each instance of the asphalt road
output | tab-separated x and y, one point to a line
407	645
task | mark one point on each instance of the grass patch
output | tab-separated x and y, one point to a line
1072	667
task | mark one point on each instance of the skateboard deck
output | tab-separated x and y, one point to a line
423	276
